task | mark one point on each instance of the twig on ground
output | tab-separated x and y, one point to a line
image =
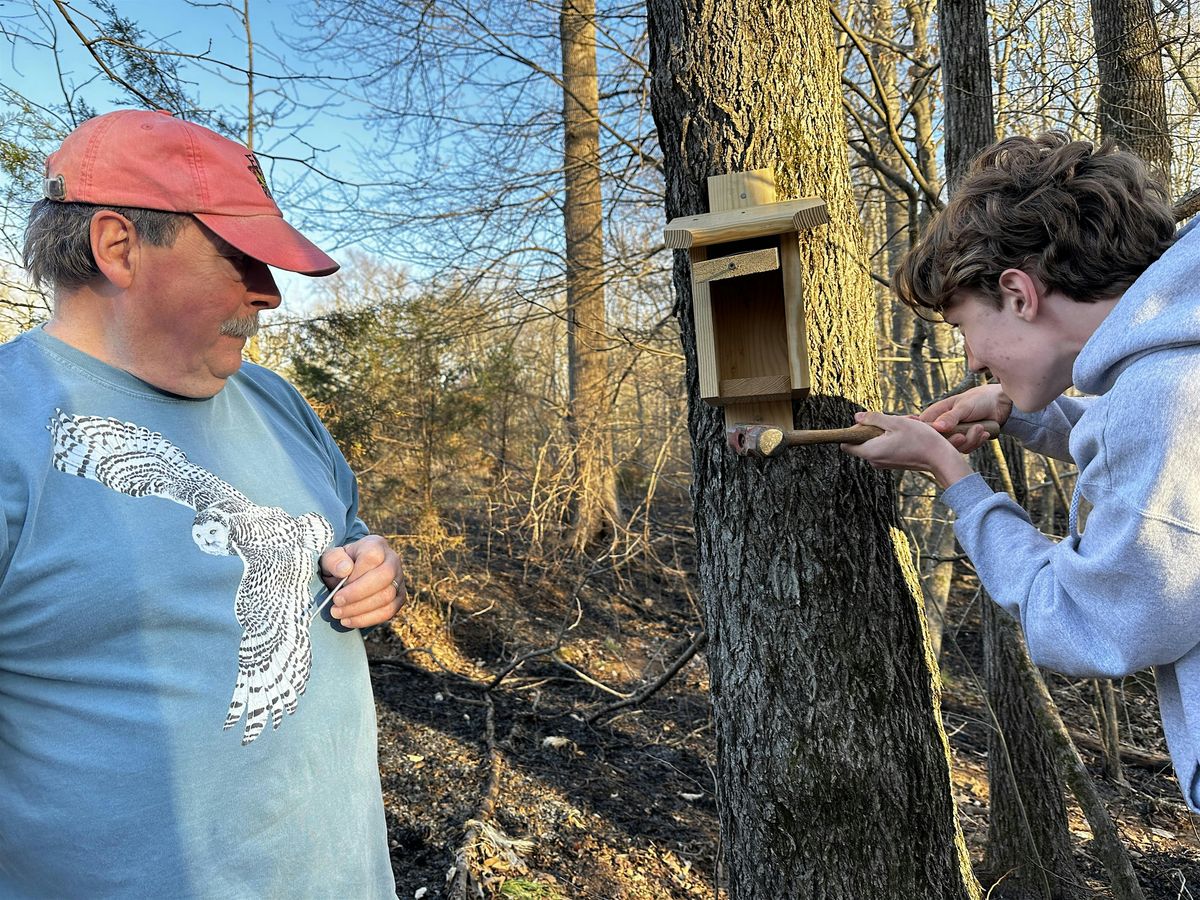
654	686
588	679
483	840
562	630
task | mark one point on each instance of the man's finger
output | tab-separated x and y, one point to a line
356	559
336	564
353	607
378	607
364	585
368	553
374	617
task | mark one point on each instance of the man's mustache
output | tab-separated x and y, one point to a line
246	327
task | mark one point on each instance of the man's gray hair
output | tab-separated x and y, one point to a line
58	239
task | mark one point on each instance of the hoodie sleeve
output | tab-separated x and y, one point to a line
1048	431
1125	594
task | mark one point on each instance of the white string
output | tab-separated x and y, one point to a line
325	602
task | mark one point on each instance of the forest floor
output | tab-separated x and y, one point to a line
622	808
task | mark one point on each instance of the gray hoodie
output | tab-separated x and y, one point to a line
1125	594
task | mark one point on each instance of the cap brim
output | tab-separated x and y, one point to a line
271	240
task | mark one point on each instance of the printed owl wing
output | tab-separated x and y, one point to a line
133	460
275	654
278	552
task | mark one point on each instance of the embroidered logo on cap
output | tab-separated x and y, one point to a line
258	173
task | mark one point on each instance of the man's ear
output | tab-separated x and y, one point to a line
1021	293
114	247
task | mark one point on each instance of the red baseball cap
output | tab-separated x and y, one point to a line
152	160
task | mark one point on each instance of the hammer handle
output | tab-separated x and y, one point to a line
860	434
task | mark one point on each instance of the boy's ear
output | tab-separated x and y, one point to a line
114	247
1021	293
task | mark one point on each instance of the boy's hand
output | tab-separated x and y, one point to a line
908	443
988	401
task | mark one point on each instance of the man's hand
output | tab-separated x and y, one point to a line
988	401
908	443
375	591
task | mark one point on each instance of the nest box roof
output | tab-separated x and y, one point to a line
751	222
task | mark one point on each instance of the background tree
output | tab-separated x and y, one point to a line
1132	105
595	509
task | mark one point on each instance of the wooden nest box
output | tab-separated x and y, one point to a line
748	296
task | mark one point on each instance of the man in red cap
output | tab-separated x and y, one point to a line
184	708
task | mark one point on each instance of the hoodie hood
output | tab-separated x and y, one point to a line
1160	310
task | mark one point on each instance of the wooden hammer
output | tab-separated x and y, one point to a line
768	440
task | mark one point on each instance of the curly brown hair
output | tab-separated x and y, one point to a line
1085	221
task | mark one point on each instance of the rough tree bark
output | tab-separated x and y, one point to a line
1133	111
1132	104
832	766
1029	844
967	82
595	511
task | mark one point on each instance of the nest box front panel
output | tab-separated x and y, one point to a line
750	320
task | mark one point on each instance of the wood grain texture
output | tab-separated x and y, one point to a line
736	265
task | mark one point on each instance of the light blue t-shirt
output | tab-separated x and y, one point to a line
171	724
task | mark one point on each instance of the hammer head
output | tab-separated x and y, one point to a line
755	440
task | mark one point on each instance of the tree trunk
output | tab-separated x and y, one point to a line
832	766
1133	106
923	94
1029	843
939	577
1110	733
967	82
595	510
893	241
925	340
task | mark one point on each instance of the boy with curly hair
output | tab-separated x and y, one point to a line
1060	265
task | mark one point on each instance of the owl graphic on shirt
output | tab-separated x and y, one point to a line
278	552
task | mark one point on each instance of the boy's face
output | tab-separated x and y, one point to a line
1020	346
